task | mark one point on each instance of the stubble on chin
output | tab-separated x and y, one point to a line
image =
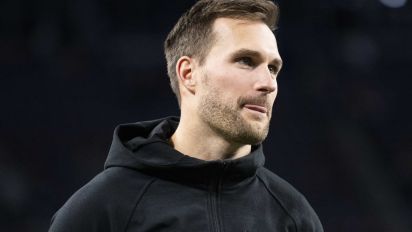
224	117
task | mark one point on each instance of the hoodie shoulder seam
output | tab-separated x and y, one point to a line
278	200
139	197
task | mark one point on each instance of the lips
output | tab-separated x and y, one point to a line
257	108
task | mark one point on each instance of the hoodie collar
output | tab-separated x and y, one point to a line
144	146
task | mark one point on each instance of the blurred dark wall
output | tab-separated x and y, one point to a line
71	71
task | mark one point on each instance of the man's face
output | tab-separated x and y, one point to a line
238	81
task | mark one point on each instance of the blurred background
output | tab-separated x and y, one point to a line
71	71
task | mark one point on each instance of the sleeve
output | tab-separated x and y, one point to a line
106	203
295	204
306	218
84	211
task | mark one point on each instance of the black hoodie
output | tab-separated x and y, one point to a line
146	185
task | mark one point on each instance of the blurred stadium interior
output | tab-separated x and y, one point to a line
71	71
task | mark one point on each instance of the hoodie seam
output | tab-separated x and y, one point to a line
148	164
139	198
145	144
278	200
159	165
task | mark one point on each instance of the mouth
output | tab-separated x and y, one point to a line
256	108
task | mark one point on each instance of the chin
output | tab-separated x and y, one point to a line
256	131
261	121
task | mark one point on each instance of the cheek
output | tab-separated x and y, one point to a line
235	80
229	80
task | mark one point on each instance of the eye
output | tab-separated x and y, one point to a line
246	61
273	69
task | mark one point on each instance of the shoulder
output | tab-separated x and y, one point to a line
103	204
291	200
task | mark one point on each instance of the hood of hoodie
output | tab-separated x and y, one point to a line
144	146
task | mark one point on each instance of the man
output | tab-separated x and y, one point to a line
204	171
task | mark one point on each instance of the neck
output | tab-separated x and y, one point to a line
199	141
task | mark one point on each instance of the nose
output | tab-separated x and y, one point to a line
266	81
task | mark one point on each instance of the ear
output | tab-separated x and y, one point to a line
184	69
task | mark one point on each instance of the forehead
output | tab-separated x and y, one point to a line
235	34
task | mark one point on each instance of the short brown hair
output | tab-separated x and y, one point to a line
192	35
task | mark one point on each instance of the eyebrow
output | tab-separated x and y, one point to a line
248	52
